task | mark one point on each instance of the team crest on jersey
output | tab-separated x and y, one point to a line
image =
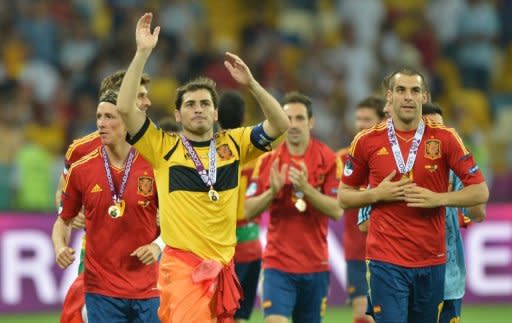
433	149
224	152
145	185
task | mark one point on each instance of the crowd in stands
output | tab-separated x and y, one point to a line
55	52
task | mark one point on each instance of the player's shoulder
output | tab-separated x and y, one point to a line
86	161
440	129
343	152
368	136
322	148
82	143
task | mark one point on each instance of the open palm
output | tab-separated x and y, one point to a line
146	40
238	69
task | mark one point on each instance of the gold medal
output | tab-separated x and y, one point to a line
114	211
213	195
300	205
117	210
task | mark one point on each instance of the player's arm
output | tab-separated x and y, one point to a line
476	213
387	191
61	232
134	118
58	192
276	122
255	205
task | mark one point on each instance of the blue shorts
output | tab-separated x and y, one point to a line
356	279
401	295
303	297
248	275
104	309
452	309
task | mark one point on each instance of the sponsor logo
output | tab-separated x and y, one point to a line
96	189
383	151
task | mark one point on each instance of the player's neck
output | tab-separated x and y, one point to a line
198	137
117	154
297	149
401	125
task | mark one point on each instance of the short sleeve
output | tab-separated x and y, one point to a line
355	170
71	200
461	161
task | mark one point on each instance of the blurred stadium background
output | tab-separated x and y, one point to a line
55	52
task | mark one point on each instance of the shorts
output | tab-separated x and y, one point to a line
303	297
105	309
451	312
248	275
357	285
401	295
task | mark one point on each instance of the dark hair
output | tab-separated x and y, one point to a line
297	97
376	103
114	80
231	110
384	86
410	72
168	124
199	83
109	96
431	108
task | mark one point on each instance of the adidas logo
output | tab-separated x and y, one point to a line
96	189
382	151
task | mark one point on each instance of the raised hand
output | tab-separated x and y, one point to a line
421	197
65	257
238	69
393	191
146	40
147	254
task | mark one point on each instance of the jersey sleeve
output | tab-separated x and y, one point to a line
355	168
71	200
461	161
333	177
154	144
243	137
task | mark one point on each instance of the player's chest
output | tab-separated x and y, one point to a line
429	163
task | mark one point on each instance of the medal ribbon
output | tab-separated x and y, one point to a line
404	168
208	177
116	197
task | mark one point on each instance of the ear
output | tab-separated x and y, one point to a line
177	115
215	114
312	122
389	96
425	96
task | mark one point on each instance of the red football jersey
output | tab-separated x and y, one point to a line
81	147
401	235
109	268
297	242
354	241
249	250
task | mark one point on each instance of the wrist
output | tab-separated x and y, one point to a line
159	243
374	195
142	54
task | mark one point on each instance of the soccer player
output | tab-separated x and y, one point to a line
116	187
78	149
369	112
295	260
455	276
198	175
248	248
406	249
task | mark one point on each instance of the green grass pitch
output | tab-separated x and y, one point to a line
470	314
